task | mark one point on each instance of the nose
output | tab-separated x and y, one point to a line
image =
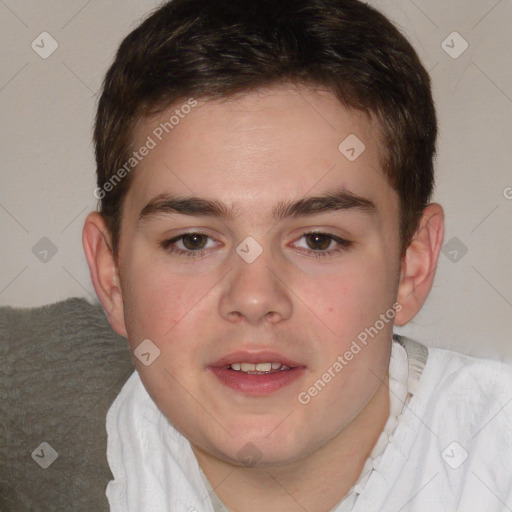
255	292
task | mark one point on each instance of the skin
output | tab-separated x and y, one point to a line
252	152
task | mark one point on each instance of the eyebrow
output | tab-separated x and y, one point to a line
341	199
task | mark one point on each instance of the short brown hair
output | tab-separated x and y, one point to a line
218	48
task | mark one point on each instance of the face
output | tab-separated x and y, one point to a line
257	272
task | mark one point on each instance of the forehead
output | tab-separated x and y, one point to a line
258	148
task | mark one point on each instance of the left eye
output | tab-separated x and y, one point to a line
323	243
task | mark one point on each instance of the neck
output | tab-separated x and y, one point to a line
315	483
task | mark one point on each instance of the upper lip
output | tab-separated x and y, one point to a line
255	357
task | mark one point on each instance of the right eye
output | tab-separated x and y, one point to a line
192	244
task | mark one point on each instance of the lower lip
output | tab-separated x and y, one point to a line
252	384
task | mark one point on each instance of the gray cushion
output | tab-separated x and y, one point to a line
61	367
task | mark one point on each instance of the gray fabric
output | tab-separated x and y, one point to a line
61	367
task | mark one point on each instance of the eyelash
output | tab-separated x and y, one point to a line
169	246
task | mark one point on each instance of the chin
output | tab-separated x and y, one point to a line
260	450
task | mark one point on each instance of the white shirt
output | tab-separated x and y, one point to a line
451	449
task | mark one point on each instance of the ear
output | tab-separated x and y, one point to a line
104	270
419	264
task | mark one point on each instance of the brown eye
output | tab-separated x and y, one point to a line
318	241
194	241
194	244
317	244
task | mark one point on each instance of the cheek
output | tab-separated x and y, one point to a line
349	292
352	297
159	302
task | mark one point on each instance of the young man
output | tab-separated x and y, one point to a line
264	171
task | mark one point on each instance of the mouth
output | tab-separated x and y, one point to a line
256	374
258	368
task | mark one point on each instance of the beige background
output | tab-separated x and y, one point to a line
47	166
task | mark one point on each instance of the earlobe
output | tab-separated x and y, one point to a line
419	263
103	270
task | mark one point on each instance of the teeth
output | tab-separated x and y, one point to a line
258	368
